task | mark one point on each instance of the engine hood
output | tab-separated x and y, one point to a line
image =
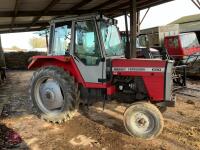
138	65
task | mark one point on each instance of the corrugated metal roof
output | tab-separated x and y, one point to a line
32	15
188	23
187	19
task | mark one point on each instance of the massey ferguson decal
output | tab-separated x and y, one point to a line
138	69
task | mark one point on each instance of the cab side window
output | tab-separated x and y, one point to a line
62	38
87	47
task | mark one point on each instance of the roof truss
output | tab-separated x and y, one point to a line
110	8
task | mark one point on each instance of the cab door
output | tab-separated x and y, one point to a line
87	51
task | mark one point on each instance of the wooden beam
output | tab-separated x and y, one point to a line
196	3
3	26
22	30
45	11
3	65
127	48
40	13
80	4
127	5
133	28
15	13
118	7
138	22
143	4
140	5
122	5
152	3
109	2
144	16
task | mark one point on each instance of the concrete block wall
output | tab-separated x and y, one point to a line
19	60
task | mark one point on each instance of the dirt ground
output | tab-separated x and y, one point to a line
93	129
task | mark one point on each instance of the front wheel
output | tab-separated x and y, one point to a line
143	120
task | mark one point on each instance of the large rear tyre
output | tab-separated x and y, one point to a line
54	94
143	120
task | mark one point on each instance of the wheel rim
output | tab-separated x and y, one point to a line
48	95
139	123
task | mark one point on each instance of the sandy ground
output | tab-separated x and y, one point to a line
94	129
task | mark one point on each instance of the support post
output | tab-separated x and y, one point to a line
47	41
138	22
2	58
133	28
2	63
127	50
1	48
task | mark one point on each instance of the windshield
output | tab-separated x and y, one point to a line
189	40
111	40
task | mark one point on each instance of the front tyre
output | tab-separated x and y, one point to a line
143	120
54	94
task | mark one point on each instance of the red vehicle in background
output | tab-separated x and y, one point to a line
184	47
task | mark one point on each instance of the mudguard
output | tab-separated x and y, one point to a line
65	62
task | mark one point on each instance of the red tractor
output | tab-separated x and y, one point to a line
182	47
86	58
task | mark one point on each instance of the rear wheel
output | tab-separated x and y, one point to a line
143	120
54	94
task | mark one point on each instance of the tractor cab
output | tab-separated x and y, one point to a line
91	40
86	36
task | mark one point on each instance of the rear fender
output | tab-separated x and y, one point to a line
65	62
